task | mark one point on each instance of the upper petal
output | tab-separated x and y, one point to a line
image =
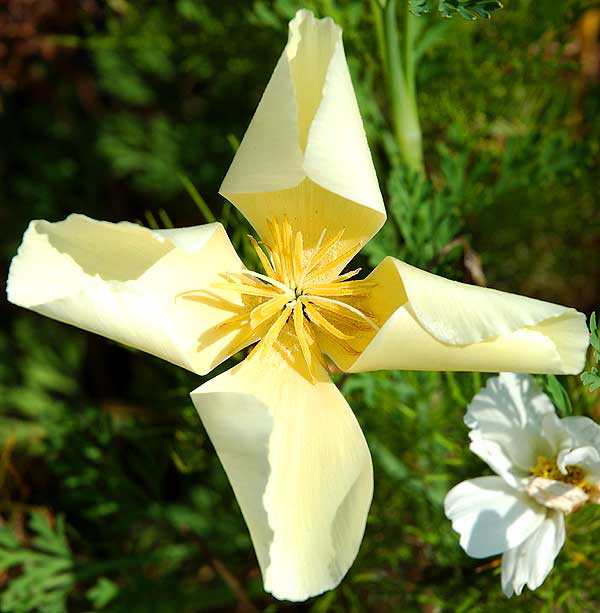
432	323
531	561
509	411
305	153
490	516
121	281
584	431
299	466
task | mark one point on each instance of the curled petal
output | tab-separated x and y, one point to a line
490	516
121	281
305	153
531	561
298	464
586	457
431	323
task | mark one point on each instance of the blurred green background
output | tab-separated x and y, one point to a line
111	496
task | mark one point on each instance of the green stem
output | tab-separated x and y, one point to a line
198	199
377	13
402	86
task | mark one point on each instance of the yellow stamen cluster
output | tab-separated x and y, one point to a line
548	469
299	290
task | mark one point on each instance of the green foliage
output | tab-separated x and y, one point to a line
45	567
468	9
592	378
422	222
559	396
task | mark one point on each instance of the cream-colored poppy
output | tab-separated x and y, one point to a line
291	447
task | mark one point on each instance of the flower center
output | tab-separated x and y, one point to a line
548	469
299	293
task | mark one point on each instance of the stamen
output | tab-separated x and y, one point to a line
331	304
278	249
298	250
250	290
271	336
244	340
341	258
288	251
277	284
350	288
265	311
323	323
322	252
314	253
234	319
303	341
347	275
268	268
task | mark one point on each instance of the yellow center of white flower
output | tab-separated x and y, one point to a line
299	292
548	469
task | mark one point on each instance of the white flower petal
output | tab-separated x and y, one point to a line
431	323
121	281
490	516
584	431
531	561
586	457
509	411
498	460
299	466
555	434
556	495
305	153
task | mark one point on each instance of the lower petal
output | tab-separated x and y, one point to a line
533	559
490	516
298	464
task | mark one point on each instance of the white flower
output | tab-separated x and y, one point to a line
547	467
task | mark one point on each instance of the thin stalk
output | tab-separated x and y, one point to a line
402	86
197	198
377	13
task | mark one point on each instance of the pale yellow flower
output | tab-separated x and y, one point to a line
289	442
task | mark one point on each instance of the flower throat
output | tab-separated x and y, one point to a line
300	294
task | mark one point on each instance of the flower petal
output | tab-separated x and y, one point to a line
555	434
509	412
498	460
564	497
298	464
432	323
305	153
584	431
532	560
490	516
586	457
121	281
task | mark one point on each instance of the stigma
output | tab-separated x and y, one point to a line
300	294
